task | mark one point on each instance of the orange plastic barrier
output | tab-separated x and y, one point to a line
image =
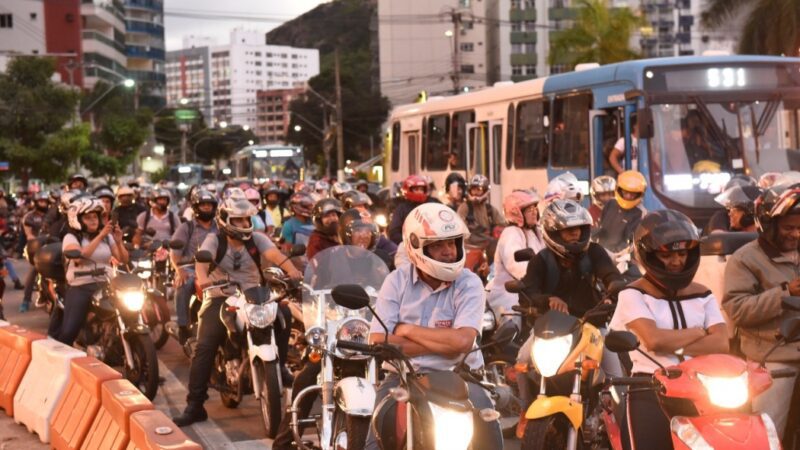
153	430
79	405
15	356
111	429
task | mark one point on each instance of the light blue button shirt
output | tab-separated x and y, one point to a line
405	298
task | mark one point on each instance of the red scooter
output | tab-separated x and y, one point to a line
708	399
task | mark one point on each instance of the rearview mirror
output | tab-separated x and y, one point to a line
203	256
791	303
73	254
351	296
176	244
790	329
297	250
621	341
505	334
526	254
514	286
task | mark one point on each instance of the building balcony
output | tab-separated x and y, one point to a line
522	59
139	26
136	51
683	38
517	78
148	76
562	13
686	21
523	37
149	5
520	15
99	14
100	38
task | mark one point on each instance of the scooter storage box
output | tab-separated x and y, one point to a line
49	262
43	385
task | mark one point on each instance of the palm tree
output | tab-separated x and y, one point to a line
599	34
771	28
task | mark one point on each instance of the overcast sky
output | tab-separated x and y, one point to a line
219	20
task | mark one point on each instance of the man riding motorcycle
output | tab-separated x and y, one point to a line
433	308
415	192
158	217
757	277
622	214
192	234
240	262
32	225
301	205
127	210
602	191
325	216
739	203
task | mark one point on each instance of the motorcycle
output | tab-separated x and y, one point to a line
436	406
708	398
115	331
155	311
9	236
45	257
499	375
347	377
250	364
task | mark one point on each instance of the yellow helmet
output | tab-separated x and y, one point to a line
631	181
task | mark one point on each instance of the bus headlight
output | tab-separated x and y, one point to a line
452	429
133	300
549	354
726	392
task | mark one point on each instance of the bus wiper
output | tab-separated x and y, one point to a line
716	131
760	126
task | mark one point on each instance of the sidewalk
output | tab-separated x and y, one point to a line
15	436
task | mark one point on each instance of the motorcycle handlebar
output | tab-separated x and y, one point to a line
782	373
632	381
357	346
90	273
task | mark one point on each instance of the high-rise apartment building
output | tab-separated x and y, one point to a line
273	114
144	48
223	80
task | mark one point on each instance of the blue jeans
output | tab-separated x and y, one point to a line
486	435
11	271
182	297
77	301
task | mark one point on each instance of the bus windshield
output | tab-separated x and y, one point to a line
698	146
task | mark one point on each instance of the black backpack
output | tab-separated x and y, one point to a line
554	269
171	221
250	246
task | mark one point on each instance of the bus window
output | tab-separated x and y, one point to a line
497	147
530	144
459	142
571	131
509	136
412	153
244	168
437	148
396	147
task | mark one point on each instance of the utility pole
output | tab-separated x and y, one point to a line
339	123
456	75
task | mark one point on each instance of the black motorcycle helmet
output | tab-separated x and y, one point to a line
321	208
80	178
778	201
667	230
741	197
200	196
354	222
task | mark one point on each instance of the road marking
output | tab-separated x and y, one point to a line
173	396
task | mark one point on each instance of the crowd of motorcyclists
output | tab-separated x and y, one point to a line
454	260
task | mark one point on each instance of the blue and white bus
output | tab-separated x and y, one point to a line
700	120
258	163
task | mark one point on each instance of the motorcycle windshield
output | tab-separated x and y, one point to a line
343	264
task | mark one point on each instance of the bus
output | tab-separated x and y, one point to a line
183	176
699	121
258	163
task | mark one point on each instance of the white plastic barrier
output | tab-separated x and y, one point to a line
43	384
3	323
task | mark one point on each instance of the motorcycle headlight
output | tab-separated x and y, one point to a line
452	429
489	323
261	316
355	329
133	300
381	220
726	392
549	354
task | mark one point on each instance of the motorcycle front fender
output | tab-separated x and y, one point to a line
727	430
355	396
265	352
548	406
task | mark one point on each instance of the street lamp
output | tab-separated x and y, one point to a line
246	127
128	83
223	124
298	128
250	142
184	101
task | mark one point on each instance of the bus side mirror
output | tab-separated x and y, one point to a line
644	121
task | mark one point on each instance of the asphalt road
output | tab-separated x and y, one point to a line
238	428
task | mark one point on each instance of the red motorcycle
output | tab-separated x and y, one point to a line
708	399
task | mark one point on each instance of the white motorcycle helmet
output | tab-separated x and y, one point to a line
564	187
80	207
428	223
236	208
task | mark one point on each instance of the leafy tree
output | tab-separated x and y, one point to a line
119	133
220	143
599	34
168	132
772	27
33	113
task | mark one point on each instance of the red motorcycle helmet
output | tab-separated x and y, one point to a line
414	181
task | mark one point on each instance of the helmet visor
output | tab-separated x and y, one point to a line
672	236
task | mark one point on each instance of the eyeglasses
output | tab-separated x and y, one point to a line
237	261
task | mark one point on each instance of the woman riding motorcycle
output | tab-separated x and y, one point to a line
98	242
522	214
673	317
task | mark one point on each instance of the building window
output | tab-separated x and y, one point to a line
467	47
530	70
516	26
516	70
467	68
530	48
463	3
6	21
